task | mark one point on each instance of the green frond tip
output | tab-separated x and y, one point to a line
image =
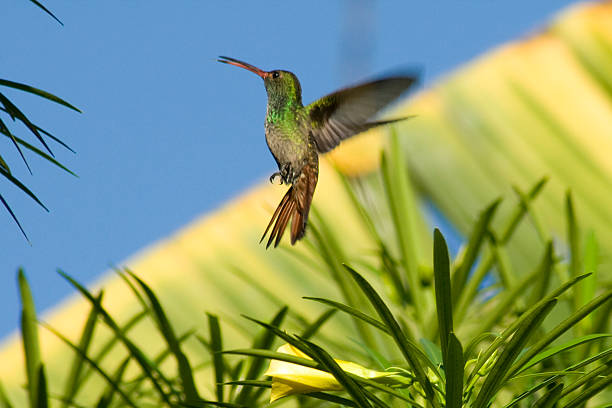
39	92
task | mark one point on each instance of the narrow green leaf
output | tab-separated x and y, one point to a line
588	287
184	368
454	373
16	113
599	380
107	397
42	399
442	285
510	352
38	152
29	333
561	348
572	235
6	131
3	163
38	4
8	208
559	330
351	311
274	355
569	370
551	397
477	237
353	389
483	357
136	384
331	252
150	370
110	344
38	92
406	347
76	368
264	341
93	364
216	346
22	187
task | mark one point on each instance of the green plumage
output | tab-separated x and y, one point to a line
297	134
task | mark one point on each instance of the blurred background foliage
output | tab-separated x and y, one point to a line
536	109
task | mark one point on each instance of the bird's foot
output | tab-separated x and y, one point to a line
275	175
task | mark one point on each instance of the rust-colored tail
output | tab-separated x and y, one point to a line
294	206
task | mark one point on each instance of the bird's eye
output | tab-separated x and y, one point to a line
275	74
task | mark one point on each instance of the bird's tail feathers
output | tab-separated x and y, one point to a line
294	207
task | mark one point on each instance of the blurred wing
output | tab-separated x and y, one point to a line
345	113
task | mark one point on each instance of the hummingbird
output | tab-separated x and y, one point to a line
297	134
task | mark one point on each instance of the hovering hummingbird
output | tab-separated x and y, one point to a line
297	134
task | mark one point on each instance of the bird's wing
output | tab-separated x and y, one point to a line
345	113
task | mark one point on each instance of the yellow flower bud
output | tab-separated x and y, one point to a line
289	378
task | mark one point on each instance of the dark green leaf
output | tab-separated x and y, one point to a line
352	311
184	368
559	330
22	187
275	355
561	348
42	399
108	395
442	284
3	164
72	383
5	130
150	370
510	352
569	370
29	333
454	373
93	364
599	380
39	92
263	341
8	208
483	357
407	348
109	345
38	152
16	113
551	397
216	346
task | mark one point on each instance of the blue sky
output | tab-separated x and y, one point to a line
166	133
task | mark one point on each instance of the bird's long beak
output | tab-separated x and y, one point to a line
241	64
